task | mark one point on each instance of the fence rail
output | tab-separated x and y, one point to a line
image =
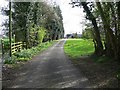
17	47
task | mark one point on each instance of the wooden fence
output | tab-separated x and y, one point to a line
17	47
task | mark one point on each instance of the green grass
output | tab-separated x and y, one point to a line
78	47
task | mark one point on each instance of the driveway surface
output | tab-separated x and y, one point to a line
50	69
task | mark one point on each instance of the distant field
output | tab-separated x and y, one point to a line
78	47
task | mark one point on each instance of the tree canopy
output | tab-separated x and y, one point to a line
27	17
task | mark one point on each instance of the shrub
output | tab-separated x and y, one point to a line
41	34
6	44
23	54
11	60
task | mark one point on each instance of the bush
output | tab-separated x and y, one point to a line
11	60
23	54
6	44
41	34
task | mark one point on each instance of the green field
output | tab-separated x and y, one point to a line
78	47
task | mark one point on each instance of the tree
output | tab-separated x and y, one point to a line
97	39
105	18
27	16
10	28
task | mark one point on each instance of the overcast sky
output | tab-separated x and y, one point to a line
2	18
72	17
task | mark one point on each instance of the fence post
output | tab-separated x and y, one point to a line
14	41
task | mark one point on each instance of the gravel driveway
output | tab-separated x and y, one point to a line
50	69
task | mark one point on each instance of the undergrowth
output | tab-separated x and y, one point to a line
27	54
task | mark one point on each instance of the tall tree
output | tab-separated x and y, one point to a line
109	31
28	16
97	39
10	28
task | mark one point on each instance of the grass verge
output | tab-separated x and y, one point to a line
75	48
78	47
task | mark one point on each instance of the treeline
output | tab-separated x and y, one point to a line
104	26
35	22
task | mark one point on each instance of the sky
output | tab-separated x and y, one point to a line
72	17
3	3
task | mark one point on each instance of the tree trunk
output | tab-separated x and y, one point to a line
10	28
118	39
113	14
99	46
109	31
